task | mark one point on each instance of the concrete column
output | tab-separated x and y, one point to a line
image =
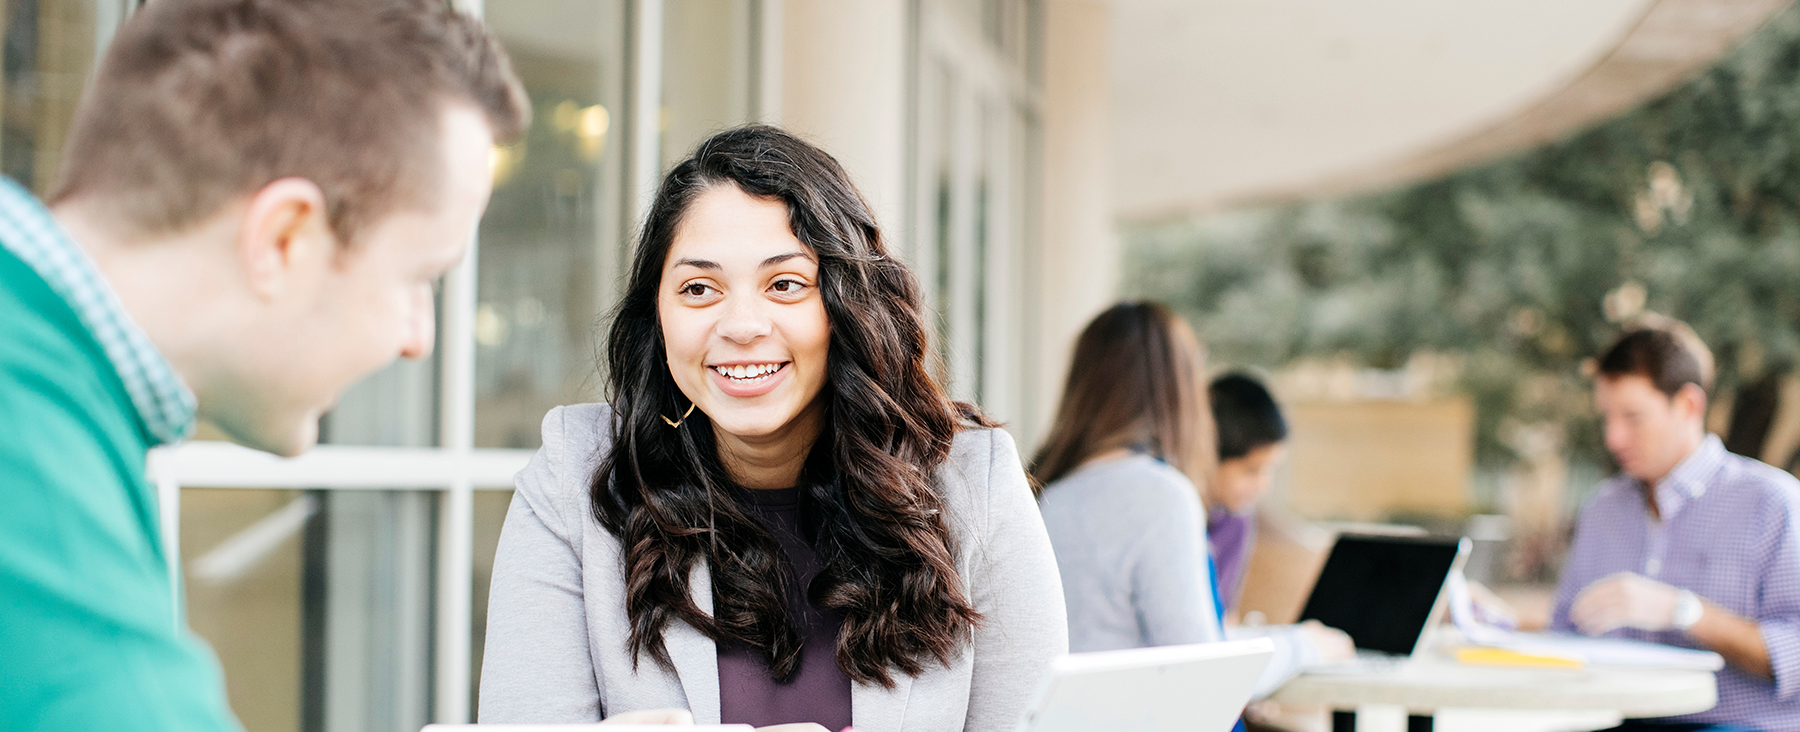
843	86
1077	266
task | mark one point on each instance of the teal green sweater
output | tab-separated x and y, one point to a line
89	635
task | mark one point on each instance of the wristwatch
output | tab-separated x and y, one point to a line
1687	610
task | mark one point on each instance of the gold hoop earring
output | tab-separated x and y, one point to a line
684	415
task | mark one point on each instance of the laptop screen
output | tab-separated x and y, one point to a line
1381	589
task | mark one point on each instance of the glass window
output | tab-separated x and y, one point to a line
553	239
935	256
973	151
318	603
370	566
1003	24
245	595
490	516
48	48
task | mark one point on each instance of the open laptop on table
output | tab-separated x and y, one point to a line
1386	592
1192	688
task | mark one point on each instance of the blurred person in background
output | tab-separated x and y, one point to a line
255	203
1122	474
1252	444
1689	544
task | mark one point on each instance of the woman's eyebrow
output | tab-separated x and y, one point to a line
779	258
702	264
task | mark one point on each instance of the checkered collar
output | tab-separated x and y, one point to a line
1687	482
163	400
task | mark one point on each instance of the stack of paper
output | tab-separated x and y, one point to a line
1490	644
1609	651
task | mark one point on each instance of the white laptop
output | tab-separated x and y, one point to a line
1195	688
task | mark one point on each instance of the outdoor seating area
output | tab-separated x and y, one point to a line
900	365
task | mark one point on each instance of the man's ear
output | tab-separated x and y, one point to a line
1692	399
285	236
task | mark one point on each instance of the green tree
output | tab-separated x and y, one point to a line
1688	206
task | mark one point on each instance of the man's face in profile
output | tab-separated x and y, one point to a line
375	302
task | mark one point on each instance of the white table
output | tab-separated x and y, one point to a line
1432	683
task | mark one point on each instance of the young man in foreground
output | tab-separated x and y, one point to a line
1689	545
258	197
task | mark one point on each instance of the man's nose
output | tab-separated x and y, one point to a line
421	330
1616	436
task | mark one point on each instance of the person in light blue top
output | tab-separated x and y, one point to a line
254	203
1121	472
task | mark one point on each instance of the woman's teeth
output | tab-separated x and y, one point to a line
748	374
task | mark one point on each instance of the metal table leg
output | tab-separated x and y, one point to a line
1344	720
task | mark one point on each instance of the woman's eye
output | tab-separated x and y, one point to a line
694	290
786	286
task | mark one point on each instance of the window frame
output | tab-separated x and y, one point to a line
975	130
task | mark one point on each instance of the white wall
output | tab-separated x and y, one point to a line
843	86
1077	261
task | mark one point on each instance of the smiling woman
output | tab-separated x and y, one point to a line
746	332
781	517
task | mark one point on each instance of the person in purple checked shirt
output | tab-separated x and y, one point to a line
1688	545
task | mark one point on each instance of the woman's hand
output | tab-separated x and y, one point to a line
652	716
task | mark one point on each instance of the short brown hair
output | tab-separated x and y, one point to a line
201	101
1668	354
1138	380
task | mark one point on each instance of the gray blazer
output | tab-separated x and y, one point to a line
557	629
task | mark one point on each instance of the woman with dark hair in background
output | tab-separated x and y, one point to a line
781	517
1122	474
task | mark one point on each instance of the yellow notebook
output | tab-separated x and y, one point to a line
1490	656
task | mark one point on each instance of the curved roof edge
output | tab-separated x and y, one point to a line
1672	41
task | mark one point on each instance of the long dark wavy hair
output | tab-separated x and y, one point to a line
868	482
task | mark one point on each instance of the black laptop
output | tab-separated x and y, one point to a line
1385	591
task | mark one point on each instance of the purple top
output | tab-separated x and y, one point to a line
1730	532
819	691
1231	537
